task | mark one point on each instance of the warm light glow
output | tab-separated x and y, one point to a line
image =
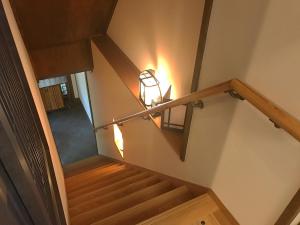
118	137
162	73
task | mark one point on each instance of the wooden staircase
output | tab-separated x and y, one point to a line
102	191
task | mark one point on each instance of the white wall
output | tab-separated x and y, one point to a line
27	66
74	84
234	149
144	144
52	81
83	93
257	168
161	35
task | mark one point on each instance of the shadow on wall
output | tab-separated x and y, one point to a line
231	41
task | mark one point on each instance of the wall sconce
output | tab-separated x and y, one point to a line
150	91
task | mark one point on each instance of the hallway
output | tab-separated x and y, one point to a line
73	133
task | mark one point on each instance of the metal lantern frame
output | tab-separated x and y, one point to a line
168	124
166	120
148	74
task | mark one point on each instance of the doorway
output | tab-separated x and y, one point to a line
67	102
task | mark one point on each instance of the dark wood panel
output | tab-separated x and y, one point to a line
52	97
197	70
127	71
291	211
12	209
52	22
29	150
63	59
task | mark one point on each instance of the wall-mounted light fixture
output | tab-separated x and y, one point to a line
150	91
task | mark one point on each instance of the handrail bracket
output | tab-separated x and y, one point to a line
275	124
198	104
236	95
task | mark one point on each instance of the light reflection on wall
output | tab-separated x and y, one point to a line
118	138
163	74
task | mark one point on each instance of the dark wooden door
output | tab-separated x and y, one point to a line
23	147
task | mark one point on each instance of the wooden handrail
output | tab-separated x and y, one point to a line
276	114
218	89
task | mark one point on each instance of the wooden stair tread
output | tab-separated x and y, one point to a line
104	181
109	188
111	196
188	213
89	173
128	201
148	208
95	176
84	165
112	192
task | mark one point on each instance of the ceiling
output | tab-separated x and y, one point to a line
47	24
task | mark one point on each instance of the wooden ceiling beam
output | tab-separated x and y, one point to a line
62	60
49	23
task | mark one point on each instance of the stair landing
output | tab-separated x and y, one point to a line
103	191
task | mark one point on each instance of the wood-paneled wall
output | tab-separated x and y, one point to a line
57	32
52	98
62	60
49	23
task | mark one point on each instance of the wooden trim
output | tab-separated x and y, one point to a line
291	211
279	116
187	127
196	75
222	207
62	59
201	43
111	13
70	88
217	89
120	62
